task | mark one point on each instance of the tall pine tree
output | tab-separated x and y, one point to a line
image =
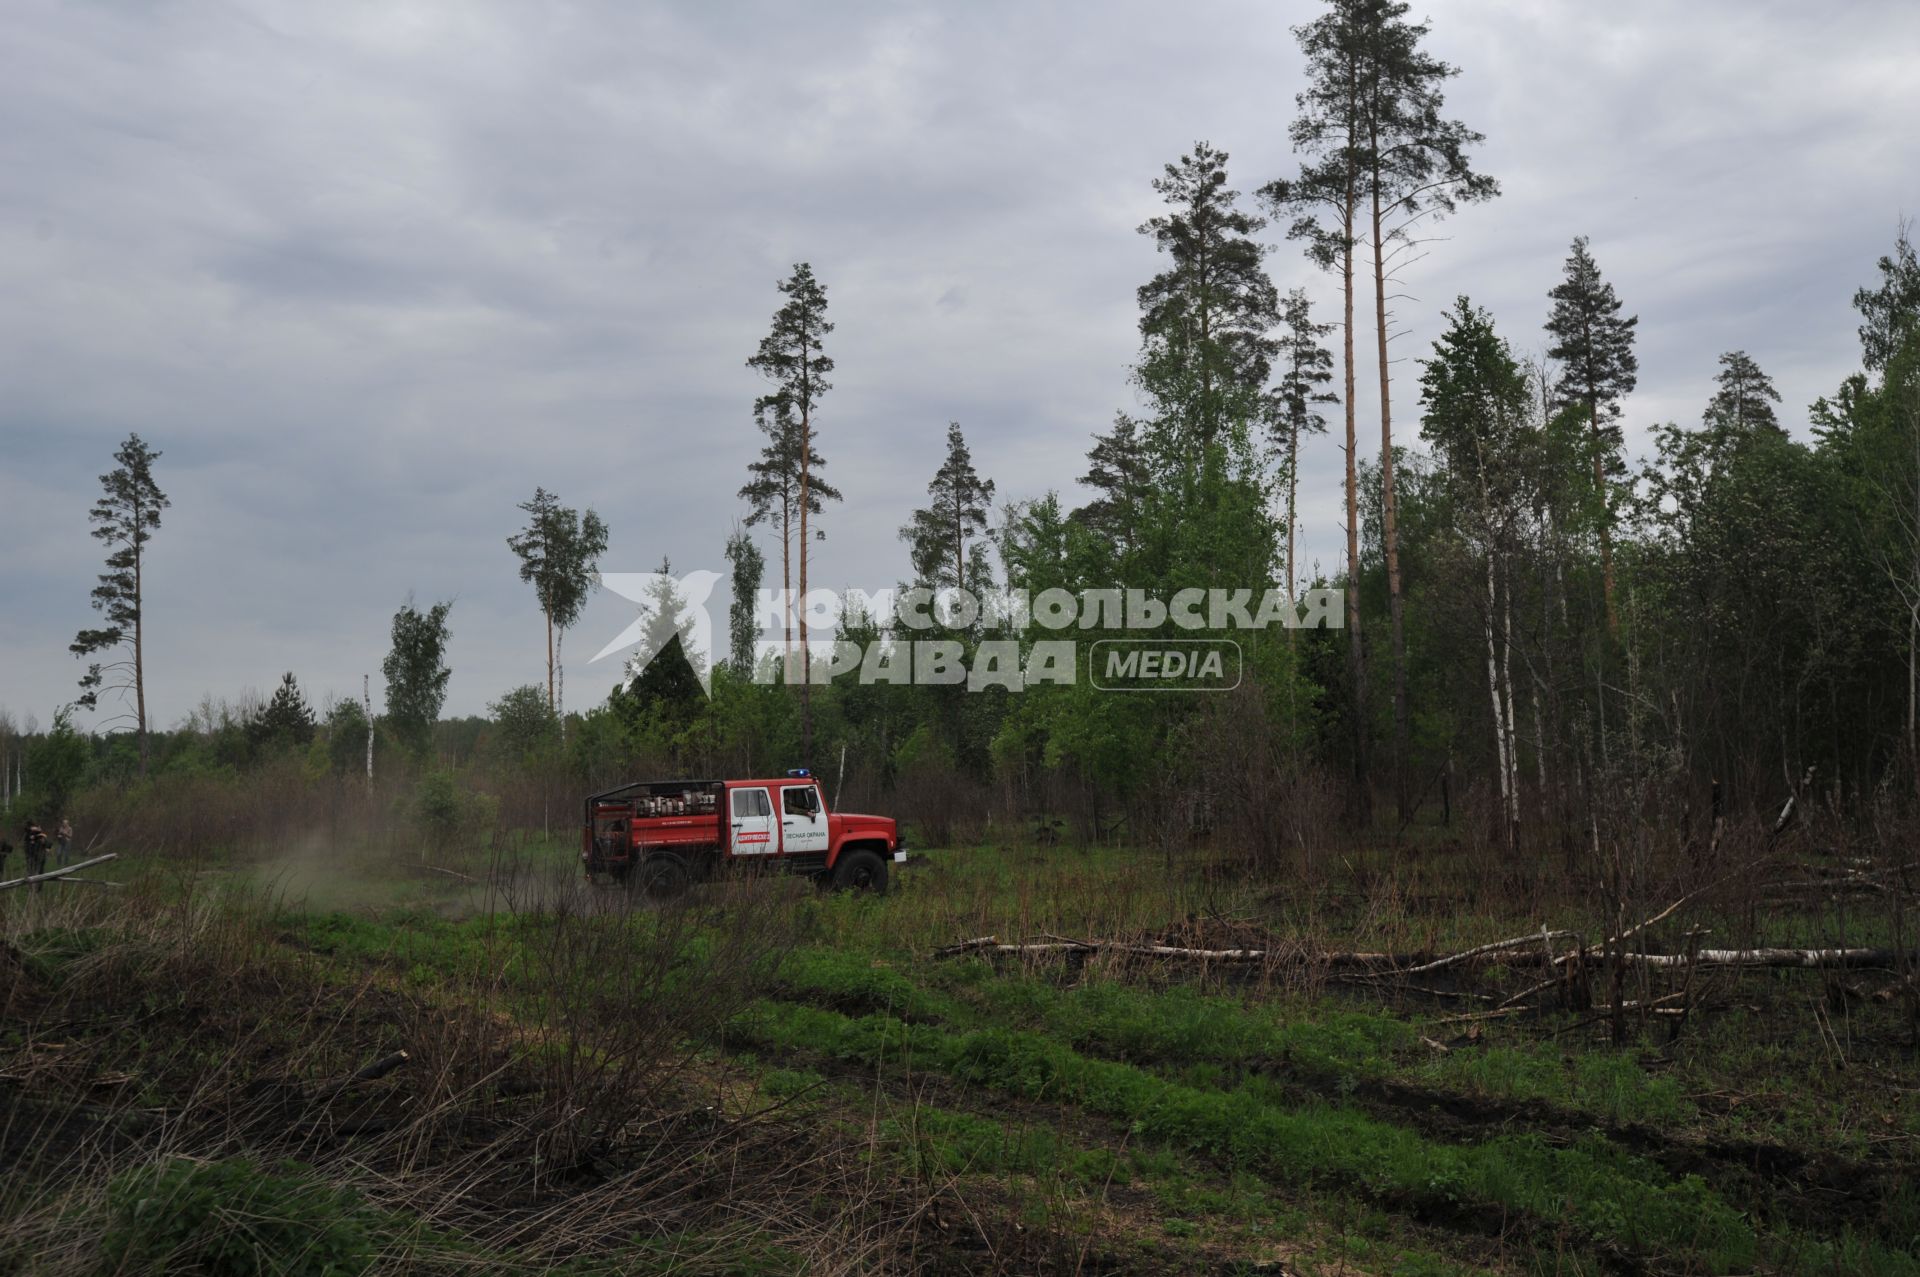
772	490
1323	203
1204	321
1594	344
1118	470
1416	169
961	502
124	518
793	357
1742	406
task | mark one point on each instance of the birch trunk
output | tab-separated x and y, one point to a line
1493	693
1513	720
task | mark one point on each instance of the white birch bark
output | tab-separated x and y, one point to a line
1493	690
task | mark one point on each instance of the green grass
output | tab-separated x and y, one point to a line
1230	1116
1180	1026
1613	1197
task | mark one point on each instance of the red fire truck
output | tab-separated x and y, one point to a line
658	835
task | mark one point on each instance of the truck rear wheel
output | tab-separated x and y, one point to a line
661	878
861	870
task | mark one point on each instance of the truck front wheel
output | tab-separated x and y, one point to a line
861	870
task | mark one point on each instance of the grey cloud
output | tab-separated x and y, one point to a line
369	274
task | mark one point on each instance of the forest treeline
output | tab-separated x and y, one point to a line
1543	633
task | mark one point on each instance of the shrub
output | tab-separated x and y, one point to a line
234	1219
448	815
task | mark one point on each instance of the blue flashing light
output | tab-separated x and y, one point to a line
799	772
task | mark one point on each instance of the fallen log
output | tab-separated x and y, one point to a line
1396	965
1773	957
1543	935
991	944
55	875
1386	964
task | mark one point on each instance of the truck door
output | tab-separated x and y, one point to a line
803	822
753	823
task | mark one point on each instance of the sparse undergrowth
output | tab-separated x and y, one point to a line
177	1069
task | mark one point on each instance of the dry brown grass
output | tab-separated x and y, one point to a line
559	1100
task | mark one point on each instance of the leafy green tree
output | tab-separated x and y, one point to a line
1891	312
1598	368
524	723
1742	406
347	730
1306	367
124	518
285	719
416	672
749	569
1869	434
793	357
559	553
960	503
1474	398
56	767
1739	538
1205	320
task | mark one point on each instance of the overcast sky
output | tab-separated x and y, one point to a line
368	273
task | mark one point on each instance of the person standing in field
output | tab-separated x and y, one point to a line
35	839
63	842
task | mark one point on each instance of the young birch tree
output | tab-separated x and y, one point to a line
1475	398
559	553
